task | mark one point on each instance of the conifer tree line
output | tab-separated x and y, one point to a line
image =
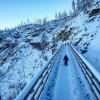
80	5
77	7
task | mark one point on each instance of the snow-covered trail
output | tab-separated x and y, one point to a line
66	85
70	83
62	90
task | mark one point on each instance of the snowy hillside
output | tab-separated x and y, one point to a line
86	34
22	55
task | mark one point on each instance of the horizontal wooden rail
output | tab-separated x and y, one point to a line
91	74
33	90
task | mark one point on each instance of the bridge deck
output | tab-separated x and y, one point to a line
62	87
68	85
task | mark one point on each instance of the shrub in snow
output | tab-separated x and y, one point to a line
54	42
41	63
6	42
17	86
94	12
34	34
85	28
14	44
64	35
36	45
76	43
44	41
83	51
10	97
28	39
16	35
1	46
1	38
45	57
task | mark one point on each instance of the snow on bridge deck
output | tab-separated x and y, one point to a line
69	83
62	87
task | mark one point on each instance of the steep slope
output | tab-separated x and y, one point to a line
85	33
22	55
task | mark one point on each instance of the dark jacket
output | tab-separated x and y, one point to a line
66	59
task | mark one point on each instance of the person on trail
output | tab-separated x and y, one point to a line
66	60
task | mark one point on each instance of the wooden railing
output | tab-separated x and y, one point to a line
91	74
33	90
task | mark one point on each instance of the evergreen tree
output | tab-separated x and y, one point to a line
73	6
56	16
44	21
78	5
39	21
70	13
85	4
64	14
28	21
59	16
54	43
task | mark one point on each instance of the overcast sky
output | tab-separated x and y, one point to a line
12	12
